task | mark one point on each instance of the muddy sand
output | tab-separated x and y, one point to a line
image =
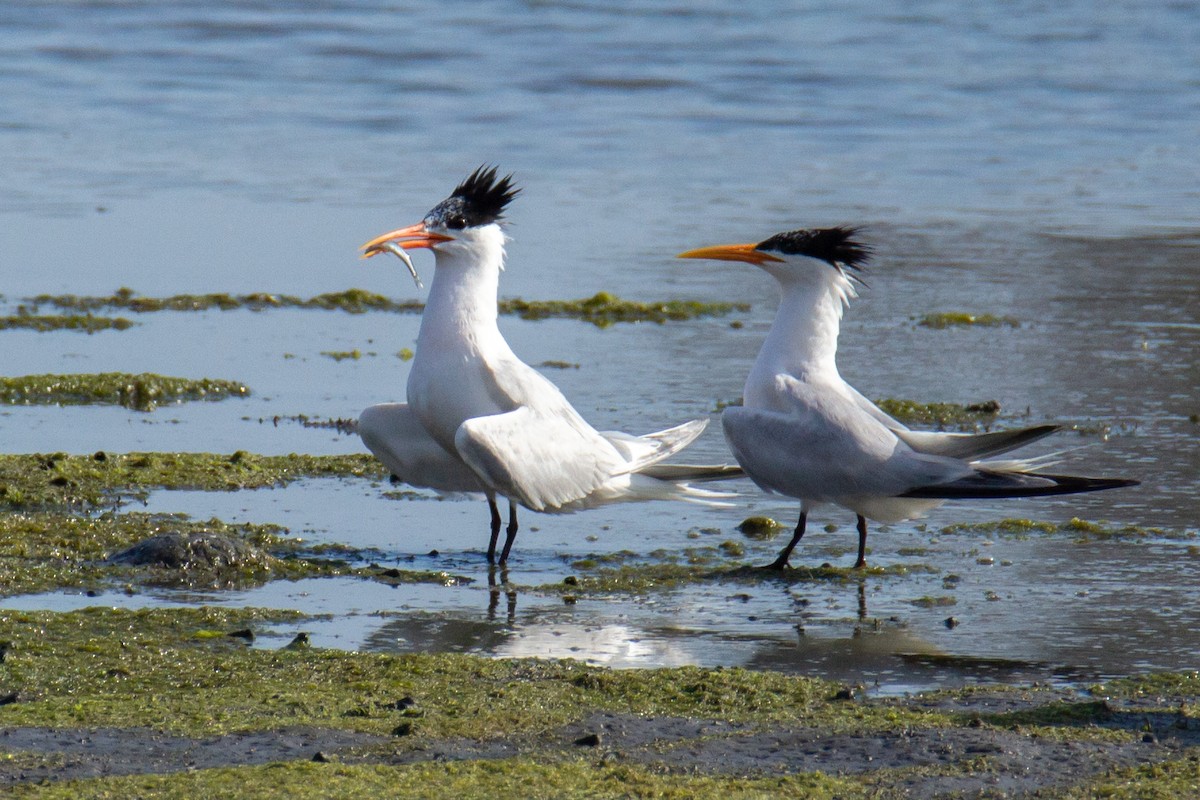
976	759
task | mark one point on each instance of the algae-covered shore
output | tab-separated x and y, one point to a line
208	701
601	309
173	703
304	628
142	392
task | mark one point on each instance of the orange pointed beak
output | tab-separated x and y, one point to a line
411	238
732	252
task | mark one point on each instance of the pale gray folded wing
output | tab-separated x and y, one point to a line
544	461
392	432
973	446
818	458
877	413
967	446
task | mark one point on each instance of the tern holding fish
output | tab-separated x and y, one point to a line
806	433
402	254
480	419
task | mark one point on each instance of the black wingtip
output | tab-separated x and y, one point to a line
838	246
984	485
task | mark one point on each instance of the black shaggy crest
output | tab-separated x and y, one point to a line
479	200
835	246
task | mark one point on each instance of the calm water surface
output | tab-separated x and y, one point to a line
1035	160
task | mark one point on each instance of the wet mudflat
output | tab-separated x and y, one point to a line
1139	745
1020	618
983	650
1029	186
176	702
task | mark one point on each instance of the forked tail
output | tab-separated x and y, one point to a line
694	473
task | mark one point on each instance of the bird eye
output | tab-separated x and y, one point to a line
457	222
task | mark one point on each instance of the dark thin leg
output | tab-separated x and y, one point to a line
782	562
862	543
511	532
495	529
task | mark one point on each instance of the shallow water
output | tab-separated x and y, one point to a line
1036	164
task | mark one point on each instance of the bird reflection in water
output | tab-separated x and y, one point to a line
494	591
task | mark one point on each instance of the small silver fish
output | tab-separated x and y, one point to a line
402	254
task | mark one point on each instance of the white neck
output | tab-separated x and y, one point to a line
460	313
451	379
803	338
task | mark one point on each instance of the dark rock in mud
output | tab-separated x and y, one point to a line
299	641
210	552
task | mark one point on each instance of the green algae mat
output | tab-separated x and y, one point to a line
141	392
174	703
601	309
58	480
45	323
200	702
